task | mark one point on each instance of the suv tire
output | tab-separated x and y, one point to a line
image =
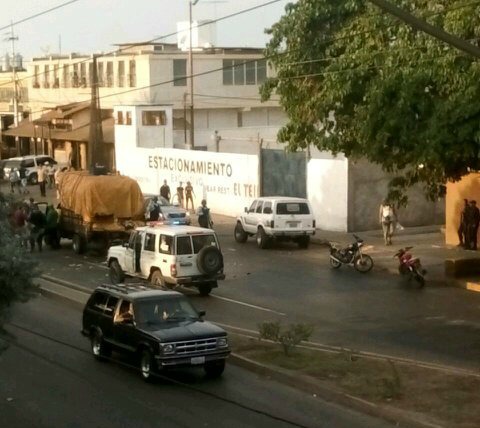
100	350
262	238
157	279
78	244
239	233
147	366
214	369
209	260
303	241
116	274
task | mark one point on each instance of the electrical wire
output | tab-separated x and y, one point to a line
156	375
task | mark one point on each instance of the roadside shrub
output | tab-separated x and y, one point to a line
289	337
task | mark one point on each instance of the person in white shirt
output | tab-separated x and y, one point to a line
41	173
387	218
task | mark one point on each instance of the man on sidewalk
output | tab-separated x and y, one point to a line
165	191
41	173
472	221
387	218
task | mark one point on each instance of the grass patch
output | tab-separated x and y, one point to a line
450	399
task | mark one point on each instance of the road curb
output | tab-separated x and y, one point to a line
332	395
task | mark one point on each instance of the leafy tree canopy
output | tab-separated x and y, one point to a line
356	80
17	268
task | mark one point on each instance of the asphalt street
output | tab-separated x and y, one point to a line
49	379
374	312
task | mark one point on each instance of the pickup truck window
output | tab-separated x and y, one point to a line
200	241
149	242
184	245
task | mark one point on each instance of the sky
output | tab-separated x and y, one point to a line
90	26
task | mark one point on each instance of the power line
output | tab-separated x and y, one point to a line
156	375
38	14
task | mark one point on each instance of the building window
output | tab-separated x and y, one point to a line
66	80
179	72
100	74
46	76
244	72
36	70
121	74
132	74
154	118
75	78
119	117
83	75
128	118
109	74
56	80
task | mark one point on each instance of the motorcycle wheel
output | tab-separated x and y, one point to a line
363	264
335	263
419	279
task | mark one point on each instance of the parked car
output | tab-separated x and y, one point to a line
276	217
29	164
169	255
173	214
161	328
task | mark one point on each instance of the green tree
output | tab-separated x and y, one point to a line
354	79
17	269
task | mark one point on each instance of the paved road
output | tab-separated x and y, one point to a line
58	384
373	312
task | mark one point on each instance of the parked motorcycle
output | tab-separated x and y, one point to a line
410	266
351	255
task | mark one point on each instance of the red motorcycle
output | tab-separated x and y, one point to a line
411	266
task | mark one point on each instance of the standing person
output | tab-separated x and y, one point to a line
204	218
14	180
153	209
387	217
462	229
472	221
188	195
50	170
20	223
51	227
41	176
165	191
23	181
180	194
38	221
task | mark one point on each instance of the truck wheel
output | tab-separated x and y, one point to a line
214	369
239	233
147	366
262	238
209	260
157	279
205	289
117	276
78	244
100	350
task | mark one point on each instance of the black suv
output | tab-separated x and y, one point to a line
161	328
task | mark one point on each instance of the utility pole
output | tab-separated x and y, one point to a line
191	143
13	38
424	26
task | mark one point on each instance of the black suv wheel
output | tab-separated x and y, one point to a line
100	350
147	366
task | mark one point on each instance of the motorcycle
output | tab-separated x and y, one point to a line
351	255
410	266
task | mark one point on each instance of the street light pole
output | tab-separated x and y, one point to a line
191	144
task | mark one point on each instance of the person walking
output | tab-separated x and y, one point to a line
38	221
23	181
462	230
50	172
472	221
165	191
41	177
204	218
52	237
14	180
188	195
180	194
387	217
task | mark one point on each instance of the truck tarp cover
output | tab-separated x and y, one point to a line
100	195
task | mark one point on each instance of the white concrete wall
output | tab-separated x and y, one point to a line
327	191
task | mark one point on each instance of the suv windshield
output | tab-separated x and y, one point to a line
292	208
165	309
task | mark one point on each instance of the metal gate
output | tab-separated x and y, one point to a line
283	174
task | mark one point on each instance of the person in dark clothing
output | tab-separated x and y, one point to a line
462	230
52	237
165	191
472	217
38	221
154	209
180	194
204	219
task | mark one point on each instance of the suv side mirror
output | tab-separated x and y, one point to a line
201	313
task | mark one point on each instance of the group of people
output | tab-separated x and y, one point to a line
31	225
47	175
184	195
469	222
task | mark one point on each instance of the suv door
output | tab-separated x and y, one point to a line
129	260
148	253
124	332
249	218
106	323
165	254
184	256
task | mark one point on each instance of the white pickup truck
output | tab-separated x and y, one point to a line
168	256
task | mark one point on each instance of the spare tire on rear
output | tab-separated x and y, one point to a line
209	260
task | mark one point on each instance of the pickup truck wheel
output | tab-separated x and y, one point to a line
303	241
262	238
100	350
78	244
239	233
214	368
209	260
157	279
117	276
147	366
205	289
